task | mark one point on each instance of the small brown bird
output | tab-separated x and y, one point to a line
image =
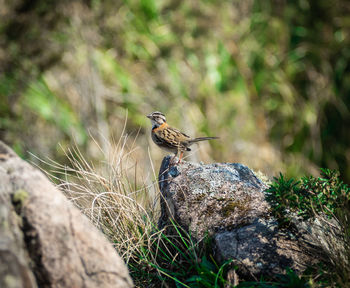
169	138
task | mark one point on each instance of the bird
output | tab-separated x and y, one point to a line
169	138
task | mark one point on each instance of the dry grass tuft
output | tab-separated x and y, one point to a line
110	195
123	205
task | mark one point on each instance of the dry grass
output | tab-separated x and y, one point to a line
110	194
126	209
332	236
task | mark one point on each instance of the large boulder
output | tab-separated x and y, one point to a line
227	202
45	240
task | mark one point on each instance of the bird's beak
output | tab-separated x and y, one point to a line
149	116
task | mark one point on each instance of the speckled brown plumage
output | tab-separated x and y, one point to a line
169	138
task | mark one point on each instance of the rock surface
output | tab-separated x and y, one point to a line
45	240
227	201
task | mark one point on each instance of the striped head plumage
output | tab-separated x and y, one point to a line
157	118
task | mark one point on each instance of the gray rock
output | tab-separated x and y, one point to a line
209	198
260	248
44	240
227	202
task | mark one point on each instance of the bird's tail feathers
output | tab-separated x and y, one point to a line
202	139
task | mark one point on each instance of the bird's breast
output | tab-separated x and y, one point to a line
160	127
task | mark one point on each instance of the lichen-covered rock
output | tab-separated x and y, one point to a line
209	198
227	202
45	240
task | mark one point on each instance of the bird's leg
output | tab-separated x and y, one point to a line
181	154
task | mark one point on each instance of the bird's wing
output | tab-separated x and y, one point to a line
173	136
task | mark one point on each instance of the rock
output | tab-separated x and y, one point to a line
204	197
45	240
227	202
262	249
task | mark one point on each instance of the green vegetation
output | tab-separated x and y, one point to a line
265	76
323	198
310	196
176	260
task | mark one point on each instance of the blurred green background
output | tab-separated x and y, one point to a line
271	78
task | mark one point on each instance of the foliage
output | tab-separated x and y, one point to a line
329	193
325	197
177	260
277	74
40	99
309	196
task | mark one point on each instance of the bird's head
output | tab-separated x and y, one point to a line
157	118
